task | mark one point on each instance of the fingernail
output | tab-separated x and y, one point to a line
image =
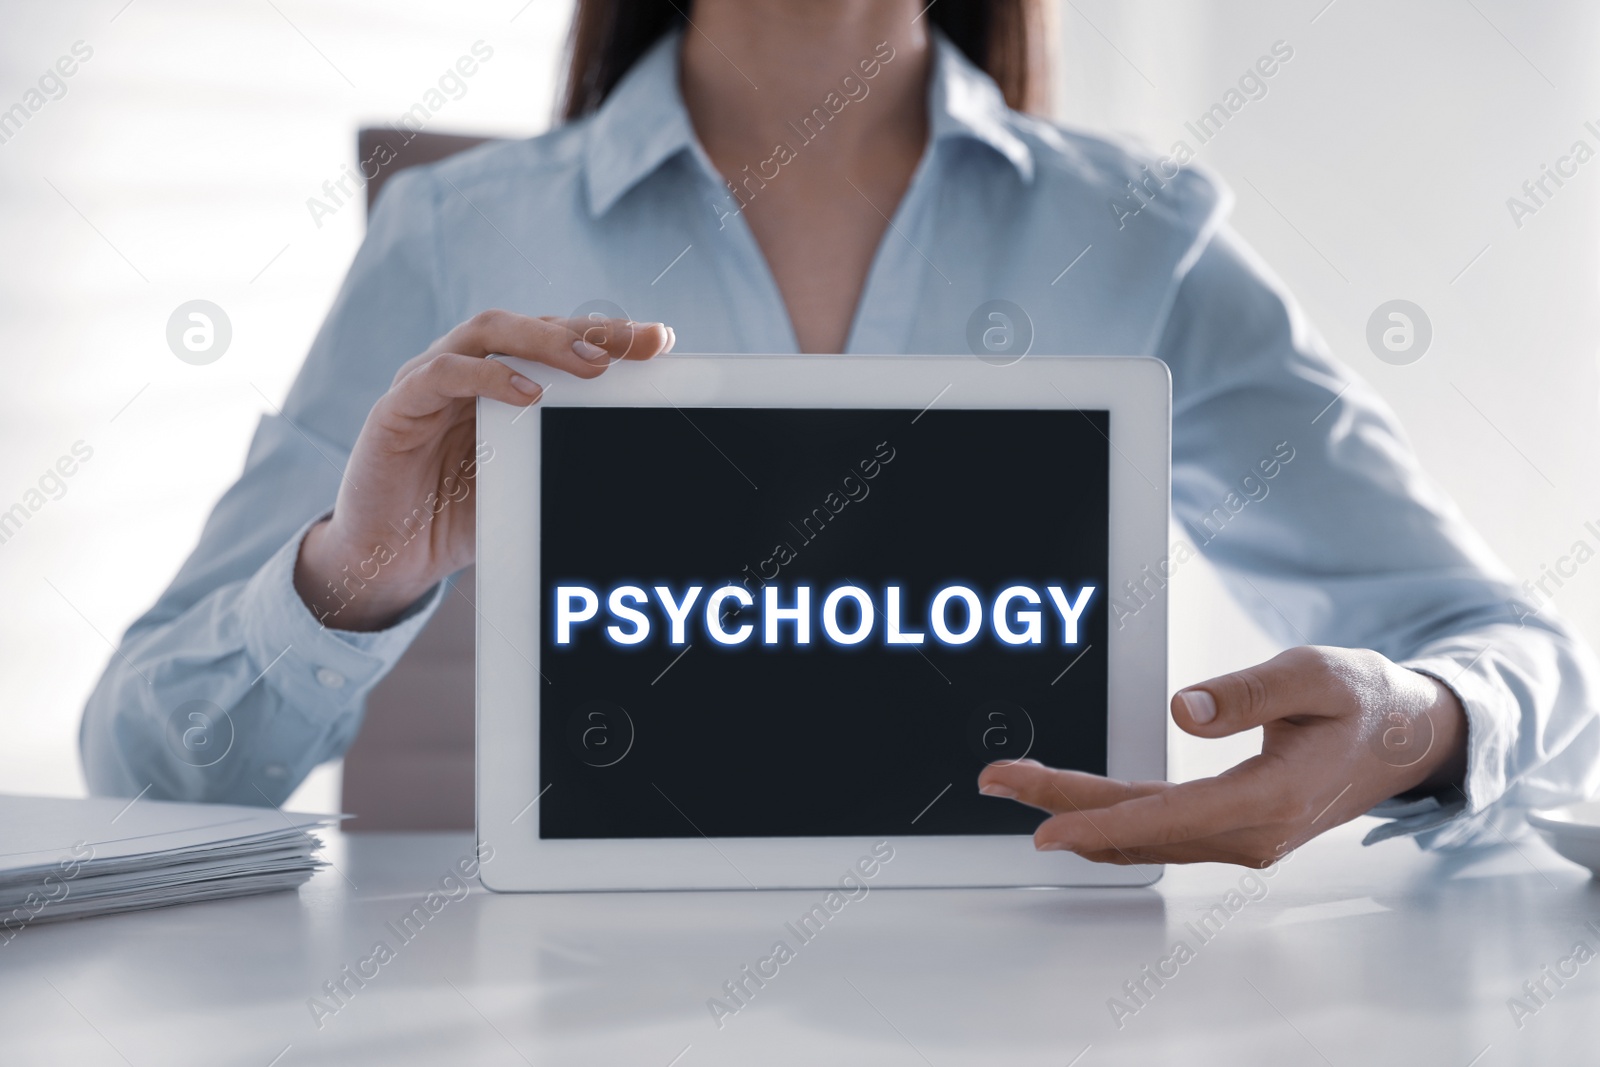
525	385
672	339
996	790
1201	706
587	350
1050	846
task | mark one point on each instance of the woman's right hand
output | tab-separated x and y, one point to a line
405	516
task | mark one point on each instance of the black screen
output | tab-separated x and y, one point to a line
663	738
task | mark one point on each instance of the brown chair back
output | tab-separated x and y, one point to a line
412	765
405	148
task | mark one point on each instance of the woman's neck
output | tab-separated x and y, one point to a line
816	113
752	67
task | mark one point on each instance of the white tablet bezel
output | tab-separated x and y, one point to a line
1137	393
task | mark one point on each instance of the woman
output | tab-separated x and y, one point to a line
730	175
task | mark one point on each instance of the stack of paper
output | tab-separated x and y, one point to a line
65	858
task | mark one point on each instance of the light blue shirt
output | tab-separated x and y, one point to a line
1351	546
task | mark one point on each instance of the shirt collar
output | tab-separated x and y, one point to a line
963	101
641	125
644	123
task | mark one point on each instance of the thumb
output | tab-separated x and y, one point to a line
1295	682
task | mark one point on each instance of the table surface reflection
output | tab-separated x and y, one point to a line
1347	955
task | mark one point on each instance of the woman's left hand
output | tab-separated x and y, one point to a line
1342	729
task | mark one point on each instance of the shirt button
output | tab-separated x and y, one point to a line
330	678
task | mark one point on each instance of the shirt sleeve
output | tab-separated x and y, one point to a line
228	689
1293	477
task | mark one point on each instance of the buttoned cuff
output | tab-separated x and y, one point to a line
1447	816
319	672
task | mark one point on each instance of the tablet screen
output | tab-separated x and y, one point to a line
762	622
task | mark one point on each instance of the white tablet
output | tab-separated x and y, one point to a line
759	621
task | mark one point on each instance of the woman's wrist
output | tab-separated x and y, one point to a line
346	589
1443	728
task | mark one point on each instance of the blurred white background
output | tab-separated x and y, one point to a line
178	164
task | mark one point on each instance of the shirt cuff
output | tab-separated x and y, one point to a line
1446	816
318	671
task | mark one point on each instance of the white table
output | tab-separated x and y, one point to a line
1354	956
